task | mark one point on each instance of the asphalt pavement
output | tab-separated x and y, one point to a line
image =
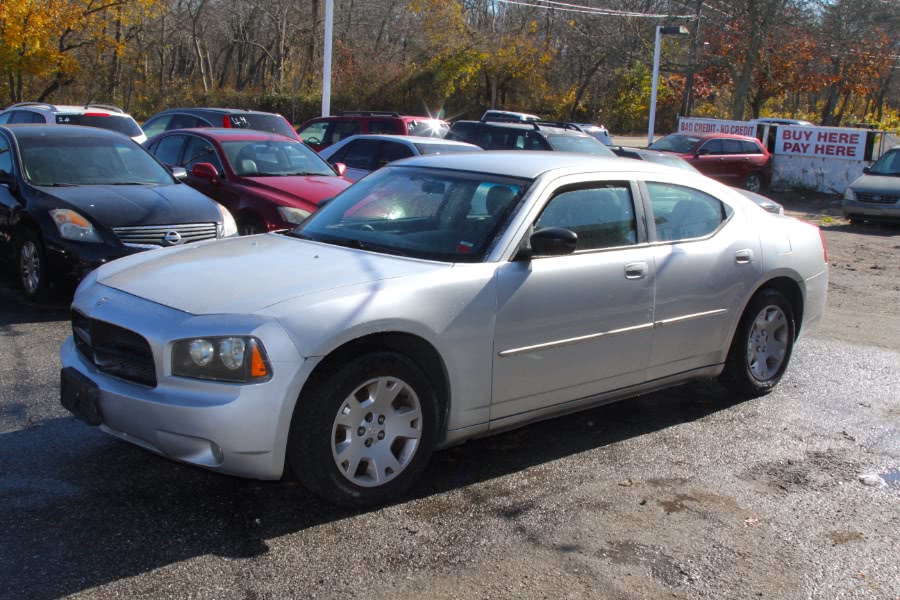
679	494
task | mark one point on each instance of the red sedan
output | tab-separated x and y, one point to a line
737	160
266	180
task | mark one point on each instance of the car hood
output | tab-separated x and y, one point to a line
877	184
311	188
246	274
135	205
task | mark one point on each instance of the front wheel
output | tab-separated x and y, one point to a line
249	225
32	263
363	434
762	345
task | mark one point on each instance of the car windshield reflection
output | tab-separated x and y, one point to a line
423	213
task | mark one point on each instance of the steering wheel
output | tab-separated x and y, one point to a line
313	140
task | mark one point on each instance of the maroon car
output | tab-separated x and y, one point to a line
266	180
737	160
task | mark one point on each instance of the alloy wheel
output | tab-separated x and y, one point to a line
30	266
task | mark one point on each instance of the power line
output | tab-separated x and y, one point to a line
578	8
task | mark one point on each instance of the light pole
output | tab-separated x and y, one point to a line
326	62
660	31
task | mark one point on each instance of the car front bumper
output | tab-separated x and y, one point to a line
854	209
235	429
74	260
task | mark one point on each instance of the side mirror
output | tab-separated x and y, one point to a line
205	171
550	241
179	173
867	170
341	168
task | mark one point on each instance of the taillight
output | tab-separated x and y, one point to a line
96	114
824	249
226	122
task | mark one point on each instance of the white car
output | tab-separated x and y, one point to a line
362	154
104	116
440	299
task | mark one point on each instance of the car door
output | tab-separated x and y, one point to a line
706	159
733	162
705	260
573	326
200	150
8	202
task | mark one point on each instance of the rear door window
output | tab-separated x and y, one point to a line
360	154
391	151
683	213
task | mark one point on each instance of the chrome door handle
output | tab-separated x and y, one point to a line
743	257
636	270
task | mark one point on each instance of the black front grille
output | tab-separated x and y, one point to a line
873	198
114	350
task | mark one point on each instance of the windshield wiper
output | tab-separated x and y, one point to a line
361	245
58	184
128	183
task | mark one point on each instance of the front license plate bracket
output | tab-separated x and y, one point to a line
80	396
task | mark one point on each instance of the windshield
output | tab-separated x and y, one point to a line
423	213
120	123
675	142
261	158
888	164
578	143
670	161
85	160
428	128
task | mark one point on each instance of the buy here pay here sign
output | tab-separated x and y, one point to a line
821	142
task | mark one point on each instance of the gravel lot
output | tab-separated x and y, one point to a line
680	494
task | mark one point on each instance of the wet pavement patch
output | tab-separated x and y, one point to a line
843	537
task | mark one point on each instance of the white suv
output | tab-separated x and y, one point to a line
104	116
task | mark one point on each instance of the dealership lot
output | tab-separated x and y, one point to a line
676	494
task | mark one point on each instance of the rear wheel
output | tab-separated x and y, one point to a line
363	434
753	182
32	266
762	345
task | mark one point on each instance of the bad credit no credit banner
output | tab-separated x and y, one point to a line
821	142
694	125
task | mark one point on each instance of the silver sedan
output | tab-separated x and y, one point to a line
439	299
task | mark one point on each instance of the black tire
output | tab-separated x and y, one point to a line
754	182
317	434
250	225
744	374
31	266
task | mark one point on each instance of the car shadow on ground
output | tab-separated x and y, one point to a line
16	309
82	509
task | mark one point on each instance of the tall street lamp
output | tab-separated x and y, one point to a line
660	31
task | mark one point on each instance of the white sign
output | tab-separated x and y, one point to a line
692	125
821	142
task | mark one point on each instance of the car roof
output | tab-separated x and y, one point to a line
529	126
68	108
213	110
35	130
407	139
225	133
530	164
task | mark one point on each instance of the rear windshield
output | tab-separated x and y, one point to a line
578	143
270	123
121	123
443	148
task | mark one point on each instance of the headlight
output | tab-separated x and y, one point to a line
292	215
72	226
228	227
849	195
228	358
